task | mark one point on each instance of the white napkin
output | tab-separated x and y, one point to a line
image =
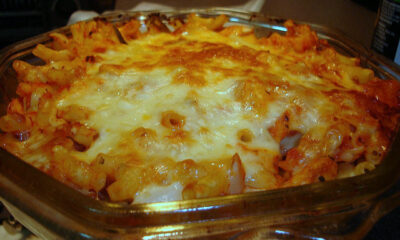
250	5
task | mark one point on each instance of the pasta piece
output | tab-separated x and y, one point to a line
172	120
49	55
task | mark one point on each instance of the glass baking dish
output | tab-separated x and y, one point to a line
340	208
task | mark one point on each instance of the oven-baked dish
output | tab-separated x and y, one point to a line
196	109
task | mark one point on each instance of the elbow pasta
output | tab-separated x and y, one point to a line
196	107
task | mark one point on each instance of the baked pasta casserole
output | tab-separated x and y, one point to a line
144	111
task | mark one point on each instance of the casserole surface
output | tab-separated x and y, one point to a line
198	111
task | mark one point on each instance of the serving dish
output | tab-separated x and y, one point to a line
346	207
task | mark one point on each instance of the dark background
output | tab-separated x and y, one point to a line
20	19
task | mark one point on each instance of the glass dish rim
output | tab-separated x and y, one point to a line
362	182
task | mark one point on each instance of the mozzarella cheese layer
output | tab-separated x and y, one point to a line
197	112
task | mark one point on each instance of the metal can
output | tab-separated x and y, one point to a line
386	39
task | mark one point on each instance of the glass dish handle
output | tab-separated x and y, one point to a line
385	206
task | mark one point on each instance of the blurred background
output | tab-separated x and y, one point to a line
20	19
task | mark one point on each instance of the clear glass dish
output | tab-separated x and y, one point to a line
345	208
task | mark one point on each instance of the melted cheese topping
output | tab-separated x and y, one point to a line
202	111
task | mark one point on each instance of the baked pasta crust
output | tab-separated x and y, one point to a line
198	111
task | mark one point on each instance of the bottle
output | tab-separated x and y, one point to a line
386	39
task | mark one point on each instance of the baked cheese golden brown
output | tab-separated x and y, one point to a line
196	109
